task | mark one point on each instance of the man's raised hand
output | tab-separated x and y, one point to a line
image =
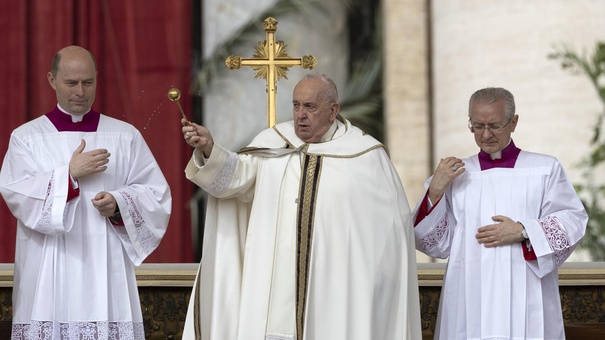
447	170
197	136
84	164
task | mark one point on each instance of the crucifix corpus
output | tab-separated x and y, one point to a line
271	62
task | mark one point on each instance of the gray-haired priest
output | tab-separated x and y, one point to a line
507	219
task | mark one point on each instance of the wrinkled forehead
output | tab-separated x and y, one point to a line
312	89
307	89
494	111
76	69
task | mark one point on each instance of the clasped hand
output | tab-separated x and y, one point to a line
105	203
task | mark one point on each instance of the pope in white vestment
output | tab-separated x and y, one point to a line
304	240
497	286
74	272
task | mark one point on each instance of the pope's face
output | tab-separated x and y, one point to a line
75	83
492	115
313	113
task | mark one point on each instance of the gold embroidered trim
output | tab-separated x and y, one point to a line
309	186
353	155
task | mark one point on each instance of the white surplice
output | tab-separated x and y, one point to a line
362	280
494	293
74	270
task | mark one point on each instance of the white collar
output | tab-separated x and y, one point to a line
74	118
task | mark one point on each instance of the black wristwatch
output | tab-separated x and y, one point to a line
117	217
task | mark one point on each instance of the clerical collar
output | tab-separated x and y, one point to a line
64	121
508	158
329	135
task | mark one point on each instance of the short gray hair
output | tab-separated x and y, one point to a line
490	95
330	90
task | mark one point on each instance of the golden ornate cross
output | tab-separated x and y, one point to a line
271	62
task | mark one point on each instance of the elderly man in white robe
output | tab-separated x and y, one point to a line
308	232
507	219
91	204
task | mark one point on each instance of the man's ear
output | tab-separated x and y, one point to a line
334	109
51	80
514	122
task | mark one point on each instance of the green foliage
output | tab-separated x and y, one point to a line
590	190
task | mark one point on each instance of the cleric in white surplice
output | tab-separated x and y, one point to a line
308	232
91	204
507	219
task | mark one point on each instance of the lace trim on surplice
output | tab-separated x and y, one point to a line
146	237
221	182
557	239
103	330
44	224
431	240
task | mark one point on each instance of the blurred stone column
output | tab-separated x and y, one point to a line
406	91
406	94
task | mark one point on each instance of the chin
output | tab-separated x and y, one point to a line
301	134
491	150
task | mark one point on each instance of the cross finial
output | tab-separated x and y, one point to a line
271	62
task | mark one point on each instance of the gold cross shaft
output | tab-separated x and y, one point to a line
271	62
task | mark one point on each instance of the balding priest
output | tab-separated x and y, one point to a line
91	204
308	232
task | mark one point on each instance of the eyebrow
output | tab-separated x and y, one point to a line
77	80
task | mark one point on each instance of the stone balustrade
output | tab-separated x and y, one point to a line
165	290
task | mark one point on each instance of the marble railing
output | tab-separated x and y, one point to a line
165	289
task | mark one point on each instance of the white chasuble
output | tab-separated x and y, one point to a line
281	324
494	293
355	276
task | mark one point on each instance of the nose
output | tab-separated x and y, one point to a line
301	114
486	132
79	89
